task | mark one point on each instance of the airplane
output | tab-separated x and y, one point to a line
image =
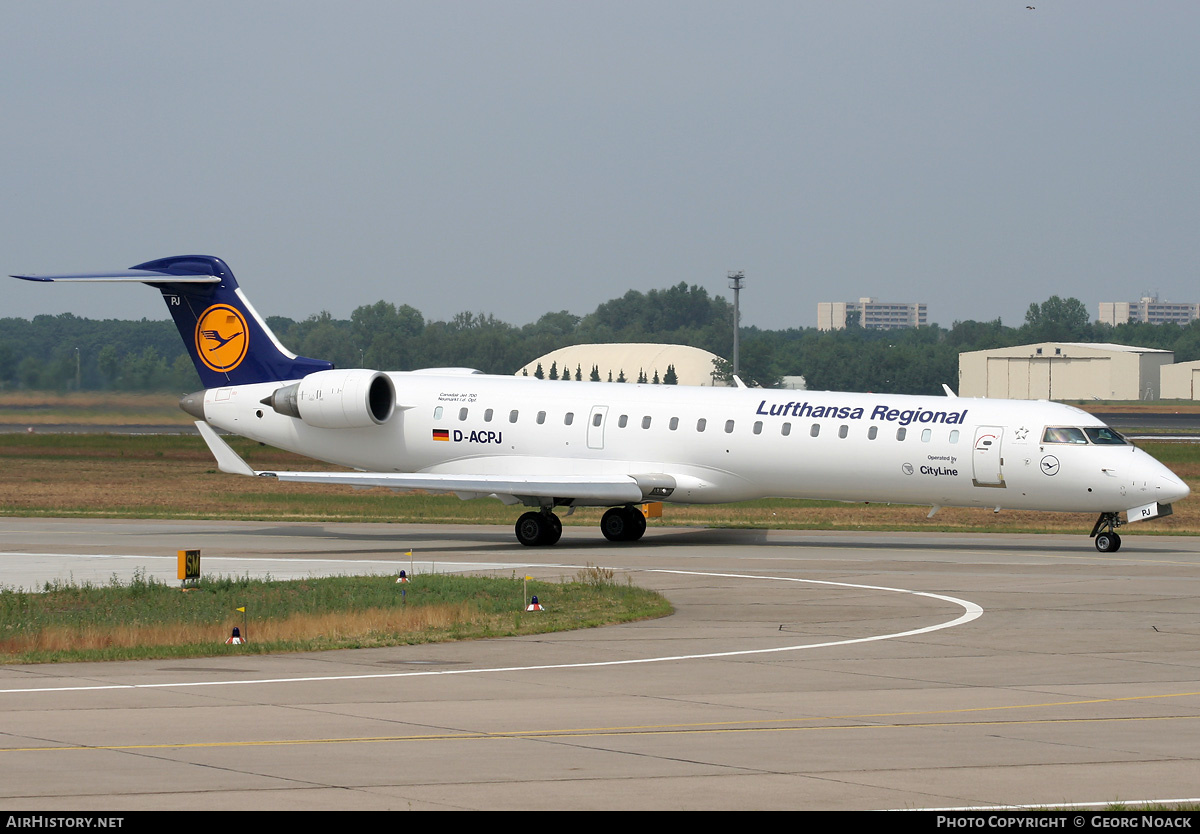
457	430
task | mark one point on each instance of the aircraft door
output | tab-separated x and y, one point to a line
595	429
986	458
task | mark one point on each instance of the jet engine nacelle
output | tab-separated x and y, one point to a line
338	399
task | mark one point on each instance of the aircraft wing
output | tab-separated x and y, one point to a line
607	489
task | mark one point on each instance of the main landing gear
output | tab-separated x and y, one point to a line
1105	532
623	524
542	528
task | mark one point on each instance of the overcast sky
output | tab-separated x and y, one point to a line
518	158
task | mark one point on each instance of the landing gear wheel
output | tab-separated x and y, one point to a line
531	529
614	524
638	524
1104	531
537	529
623	524
553	529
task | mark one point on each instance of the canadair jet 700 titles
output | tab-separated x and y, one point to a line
601	445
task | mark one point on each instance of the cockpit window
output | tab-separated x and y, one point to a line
1104	436
1097	435
1063	434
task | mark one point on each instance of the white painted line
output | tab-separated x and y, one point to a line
295	561
971	612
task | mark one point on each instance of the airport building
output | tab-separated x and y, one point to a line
1149	310
1181	381
1063	371
872	314
693	366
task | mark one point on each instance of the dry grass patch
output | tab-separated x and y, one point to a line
375	626
90	408
147	619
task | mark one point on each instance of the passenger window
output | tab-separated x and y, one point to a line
954	436
645	422
569	418
843	431
462	414
623	421
926	434
512	416
437	413
872	432
541	418
815	430
758	426
487	416
785	429
596	418
700	424
729	427
674	424
901	433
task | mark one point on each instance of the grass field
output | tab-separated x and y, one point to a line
90	408
149	619
160	476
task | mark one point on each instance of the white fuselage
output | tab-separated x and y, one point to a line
726	444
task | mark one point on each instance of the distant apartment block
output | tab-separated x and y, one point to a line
1149	310
872	314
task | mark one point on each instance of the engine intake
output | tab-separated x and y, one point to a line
338	399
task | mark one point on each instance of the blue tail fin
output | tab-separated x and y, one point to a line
228	341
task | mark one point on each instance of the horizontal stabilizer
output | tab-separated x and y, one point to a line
137	276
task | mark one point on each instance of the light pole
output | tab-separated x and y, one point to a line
735	284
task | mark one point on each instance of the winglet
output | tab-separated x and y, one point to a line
227	459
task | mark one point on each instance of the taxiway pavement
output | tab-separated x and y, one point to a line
801	670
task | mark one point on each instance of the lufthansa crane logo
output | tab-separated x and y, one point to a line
221	338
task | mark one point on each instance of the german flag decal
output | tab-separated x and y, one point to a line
441	434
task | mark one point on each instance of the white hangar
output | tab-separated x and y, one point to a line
1063	371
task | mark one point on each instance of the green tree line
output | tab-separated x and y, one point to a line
66	352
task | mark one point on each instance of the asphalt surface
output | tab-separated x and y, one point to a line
801	670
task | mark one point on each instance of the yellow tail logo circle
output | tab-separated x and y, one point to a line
221	337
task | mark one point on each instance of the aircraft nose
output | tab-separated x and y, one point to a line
1170	488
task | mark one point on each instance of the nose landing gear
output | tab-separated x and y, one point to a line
1105	532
